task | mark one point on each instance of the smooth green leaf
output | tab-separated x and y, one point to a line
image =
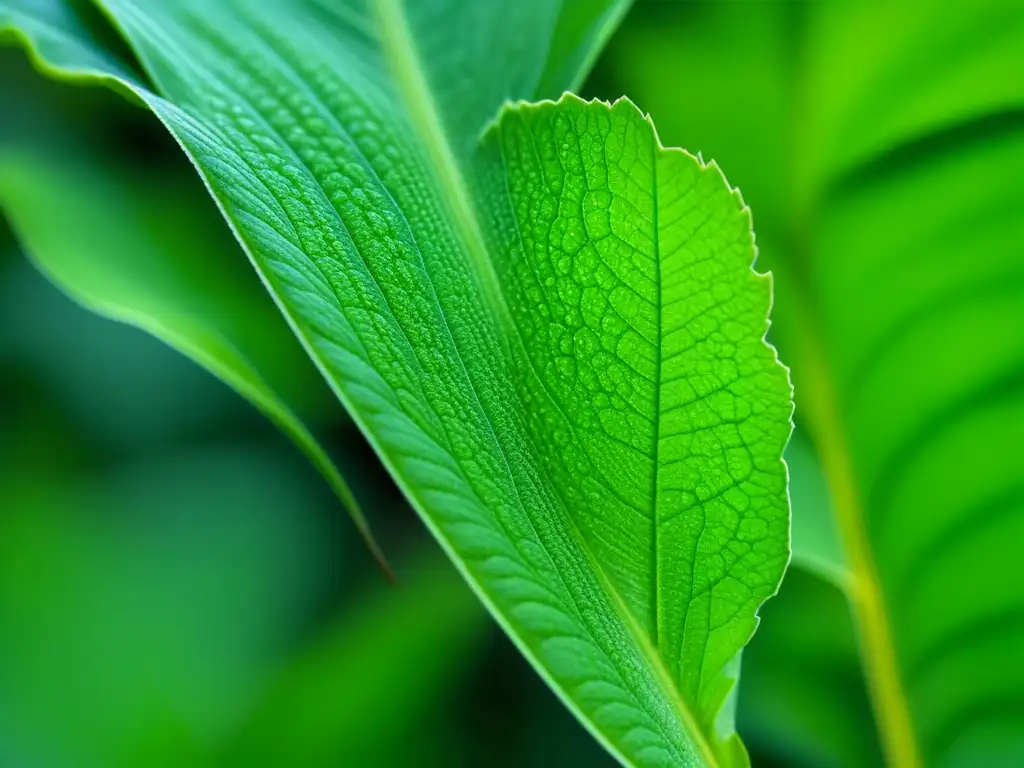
803	701
816	544
547	325
69	41
899	257
115	389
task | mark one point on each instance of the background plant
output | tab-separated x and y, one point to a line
828	213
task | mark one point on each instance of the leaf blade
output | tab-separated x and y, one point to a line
336	200
123	268
898	265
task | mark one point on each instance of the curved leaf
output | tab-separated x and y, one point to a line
115	259
69	41
140	253
900	266
548	328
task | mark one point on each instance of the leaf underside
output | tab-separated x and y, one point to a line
548	327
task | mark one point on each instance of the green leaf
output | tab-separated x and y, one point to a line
803	701
547	325
67	40
899	258
121	251
142	253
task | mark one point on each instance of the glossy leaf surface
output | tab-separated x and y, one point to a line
547	325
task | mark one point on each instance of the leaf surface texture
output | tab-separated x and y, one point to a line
891	217
546	324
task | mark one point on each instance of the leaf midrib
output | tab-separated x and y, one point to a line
400	50
655	474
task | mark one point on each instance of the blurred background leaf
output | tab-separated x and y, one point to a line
156	256
816	544
124	639
802	700
375	686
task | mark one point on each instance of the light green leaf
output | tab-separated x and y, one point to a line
547	325
899	260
